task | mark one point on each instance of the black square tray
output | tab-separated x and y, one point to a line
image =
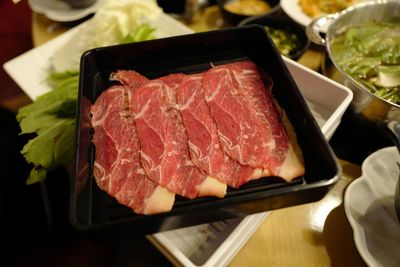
93	210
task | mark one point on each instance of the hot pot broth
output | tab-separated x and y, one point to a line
370	53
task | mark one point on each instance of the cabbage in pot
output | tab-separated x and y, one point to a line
370	53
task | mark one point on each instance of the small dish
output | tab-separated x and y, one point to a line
369	207
284	33
61	11
294	11
241	14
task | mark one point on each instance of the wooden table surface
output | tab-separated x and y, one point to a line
314	234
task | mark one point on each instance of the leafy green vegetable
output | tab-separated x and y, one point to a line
143	33
286	41
370	53
118	20
52	118
37	175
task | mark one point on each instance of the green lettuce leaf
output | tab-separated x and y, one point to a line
50	146
142	33
36	175
52	119
370	54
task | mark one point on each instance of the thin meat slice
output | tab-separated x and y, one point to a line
248	123
285	159
204	145
209	185
241	133
117	168
164	148
129	78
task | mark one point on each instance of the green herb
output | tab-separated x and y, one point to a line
52	119
370	53
286	41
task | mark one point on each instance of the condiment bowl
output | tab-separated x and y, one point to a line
237	16
289	37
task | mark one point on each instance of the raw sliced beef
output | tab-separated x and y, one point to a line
204	145
117	168
285	159
190	134
164	148
241	134
248	124
129	78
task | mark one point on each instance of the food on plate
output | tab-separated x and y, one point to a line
248	7
286	41
370	53
190	134
316	8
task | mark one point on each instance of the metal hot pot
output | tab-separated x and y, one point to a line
364	102
366	107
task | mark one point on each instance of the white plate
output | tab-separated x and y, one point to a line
58	10
294	11
369	207
30	70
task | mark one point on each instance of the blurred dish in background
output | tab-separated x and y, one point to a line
234	11
294	11
289	37
247	7
303	11
369	207
80	3
61	11
316	8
